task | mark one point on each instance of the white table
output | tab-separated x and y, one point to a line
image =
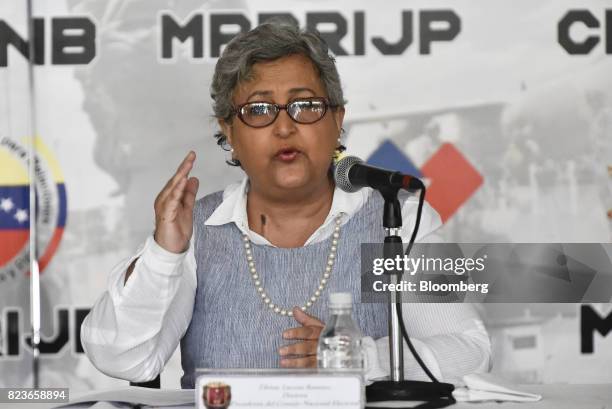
556	396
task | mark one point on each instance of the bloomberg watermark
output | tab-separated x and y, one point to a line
488	273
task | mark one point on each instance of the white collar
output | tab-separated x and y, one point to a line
233	210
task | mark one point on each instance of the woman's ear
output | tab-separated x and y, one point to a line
226	129
339	118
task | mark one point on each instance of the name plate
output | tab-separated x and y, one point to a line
278	388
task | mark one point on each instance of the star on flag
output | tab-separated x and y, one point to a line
6	204
21	215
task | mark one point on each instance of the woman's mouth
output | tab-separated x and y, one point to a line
287	155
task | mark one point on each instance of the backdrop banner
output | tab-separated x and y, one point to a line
503	108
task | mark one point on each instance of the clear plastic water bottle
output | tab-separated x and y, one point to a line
340	342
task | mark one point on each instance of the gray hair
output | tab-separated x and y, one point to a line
269	41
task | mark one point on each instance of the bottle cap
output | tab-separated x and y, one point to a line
340	300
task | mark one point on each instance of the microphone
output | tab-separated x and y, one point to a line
352	174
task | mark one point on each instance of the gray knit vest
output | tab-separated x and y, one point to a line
231	327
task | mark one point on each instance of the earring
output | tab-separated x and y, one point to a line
338	151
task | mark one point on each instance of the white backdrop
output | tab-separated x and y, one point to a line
525	126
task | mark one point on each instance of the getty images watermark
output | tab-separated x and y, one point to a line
491	273
410	266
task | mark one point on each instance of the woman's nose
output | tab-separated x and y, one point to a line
284	126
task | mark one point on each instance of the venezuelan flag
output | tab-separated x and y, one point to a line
14	206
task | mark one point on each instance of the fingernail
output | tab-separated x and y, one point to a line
283	351
284	362
285	335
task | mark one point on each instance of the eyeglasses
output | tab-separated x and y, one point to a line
259	114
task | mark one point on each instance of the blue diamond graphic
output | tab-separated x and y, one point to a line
389	156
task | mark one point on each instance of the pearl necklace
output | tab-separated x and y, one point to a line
331	258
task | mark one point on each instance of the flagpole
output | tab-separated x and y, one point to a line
33	232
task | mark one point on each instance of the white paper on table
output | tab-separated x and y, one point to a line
486	387
135	395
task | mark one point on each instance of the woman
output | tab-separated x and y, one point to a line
244	287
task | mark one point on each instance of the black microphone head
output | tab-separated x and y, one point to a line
341	173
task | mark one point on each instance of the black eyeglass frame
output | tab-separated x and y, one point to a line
326	105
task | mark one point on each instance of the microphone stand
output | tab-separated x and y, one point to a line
393	246
435	394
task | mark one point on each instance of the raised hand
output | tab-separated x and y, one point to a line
174	208
301	354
